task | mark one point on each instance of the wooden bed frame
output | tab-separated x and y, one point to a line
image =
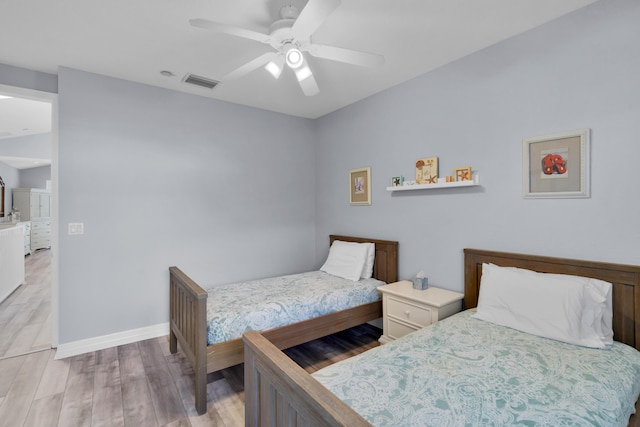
188	320
280	393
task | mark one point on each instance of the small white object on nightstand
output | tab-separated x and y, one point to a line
406	309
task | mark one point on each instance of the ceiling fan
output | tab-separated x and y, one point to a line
290	36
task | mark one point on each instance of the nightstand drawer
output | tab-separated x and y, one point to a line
406	309
398	330
409	312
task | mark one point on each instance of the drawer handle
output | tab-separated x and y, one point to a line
407	313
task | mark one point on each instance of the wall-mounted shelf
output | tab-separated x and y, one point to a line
441	184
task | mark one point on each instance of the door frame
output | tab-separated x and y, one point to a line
51	98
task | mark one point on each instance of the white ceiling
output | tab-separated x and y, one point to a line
135	40
22	117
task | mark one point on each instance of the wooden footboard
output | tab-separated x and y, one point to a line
188	322
280	393
188	326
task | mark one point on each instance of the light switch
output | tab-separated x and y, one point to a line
76	228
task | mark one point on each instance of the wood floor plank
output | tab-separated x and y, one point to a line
45	412
107	392
23	342
78	396
227	403
137	404
44	337
164	393
182	422
42	310
17	402
10	333
54	377
29	304
9	369
131	366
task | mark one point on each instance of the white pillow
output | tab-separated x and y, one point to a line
562	307
367	270
346	260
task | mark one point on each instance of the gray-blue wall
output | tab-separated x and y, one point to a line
227	192
580	71
161	178
35	177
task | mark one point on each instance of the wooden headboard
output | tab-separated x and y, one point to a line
385	266
625	280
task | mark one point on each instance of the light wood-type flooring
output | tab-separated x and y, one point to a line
25	316
139	384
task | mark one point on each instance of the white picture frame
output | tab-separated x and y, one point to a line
556	166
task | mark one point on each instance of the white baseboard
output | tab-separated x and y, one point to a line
112	340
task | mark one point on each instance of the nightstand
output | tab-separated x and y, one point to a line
406	309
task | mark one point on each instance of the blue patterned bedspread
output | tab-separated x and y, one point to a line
467	372
278	301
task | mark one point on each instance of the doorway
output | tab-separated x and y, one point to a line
42	265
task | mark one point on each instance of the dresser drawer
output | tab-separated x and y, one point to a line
42	242
398	330
36	233
408	312
39	225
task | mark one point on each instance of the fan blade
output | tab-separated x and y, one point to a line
348	56
306	80
312	16
250	66
230	29
276	66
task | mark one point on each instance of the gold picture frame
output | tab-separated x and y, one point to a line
556	166
360	186
462	174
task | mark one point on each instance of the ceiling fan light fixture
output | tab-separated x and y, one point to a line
275	67
302	73
294	58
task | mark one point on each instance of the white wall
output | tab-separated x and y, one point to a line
580	71
162	178
37	146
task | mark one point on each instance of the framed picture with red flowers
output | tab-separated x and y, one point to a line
556	166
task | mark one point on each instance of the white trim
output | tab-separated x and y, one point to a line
112	340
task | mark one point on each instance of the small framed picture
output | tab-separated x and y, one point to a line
397	181
556	166
360	186
462	174
427	170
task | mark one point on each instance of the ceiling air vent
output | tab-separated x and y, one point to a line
200	81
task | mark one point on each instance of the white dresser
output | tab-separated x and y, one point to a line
11	259
34	205
406	309
26	227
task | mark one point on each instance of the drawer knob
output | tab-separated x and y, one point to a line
407	313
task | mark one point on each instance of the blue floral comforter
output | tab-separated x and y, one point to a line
467	372
278	301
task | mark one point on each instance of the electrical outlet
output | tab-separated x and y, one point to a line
76	228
